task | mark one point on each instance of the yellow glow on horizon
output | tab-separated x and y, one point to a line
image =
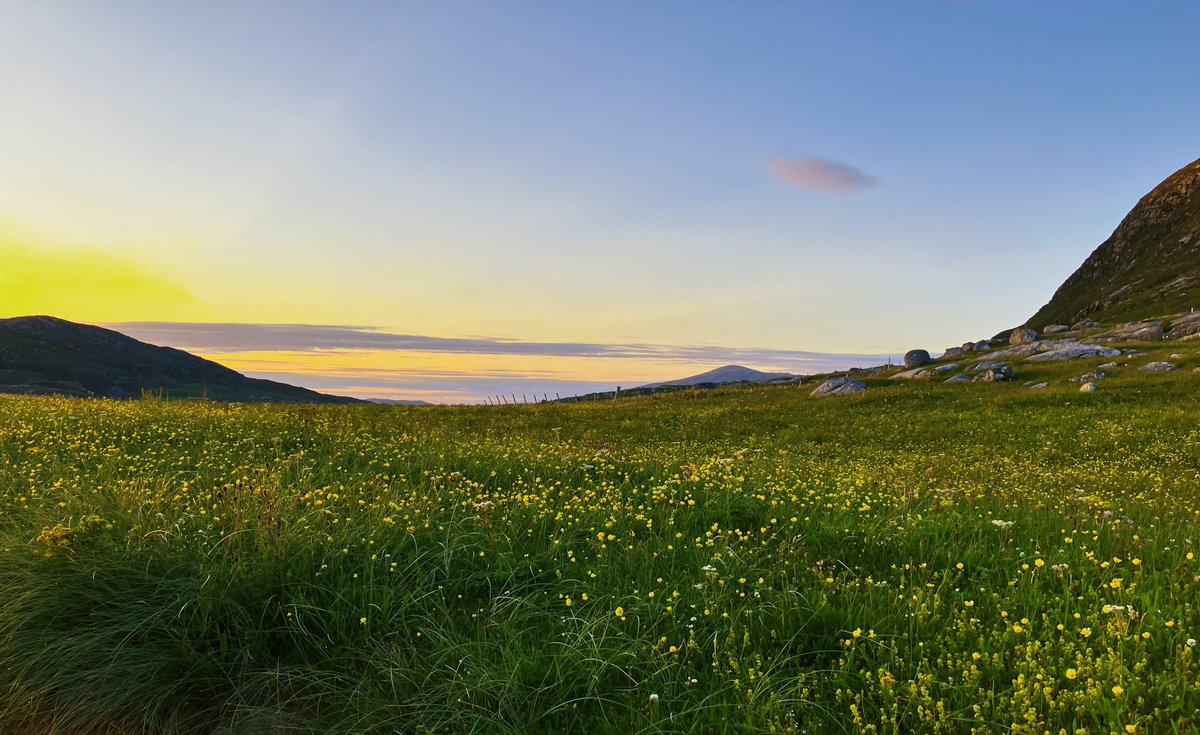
349	364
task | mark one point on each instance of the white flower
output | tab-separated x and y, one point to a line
1191	642
653	699
1002	524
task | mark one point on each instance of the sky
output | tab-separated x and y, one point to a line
453	200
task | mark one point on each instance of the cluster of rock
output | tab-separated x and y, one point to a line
1023	343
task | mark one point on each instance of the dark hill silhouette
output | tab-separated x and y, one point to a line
46	355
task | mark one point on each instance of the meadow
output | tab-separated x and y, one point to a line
978	558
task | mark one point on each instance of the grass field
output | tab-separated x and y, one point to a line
921	558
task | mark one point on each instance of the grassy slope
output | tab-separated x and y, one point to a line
171	568
1147	269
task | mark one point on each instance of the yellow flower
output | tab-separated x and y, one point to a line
568	602
619	612
1118	691
857	633
1116	583
1018	629
1086	632
362	621
1039	563
1071	674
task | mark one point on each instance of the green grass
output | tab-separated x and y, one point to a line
203	568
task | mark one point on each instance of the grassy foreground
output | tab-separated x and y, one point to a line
921	558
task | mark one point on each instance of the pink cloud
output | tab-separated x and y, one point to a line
818	174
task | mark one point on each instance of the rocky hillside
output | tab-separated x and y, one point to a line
45	355
1149	267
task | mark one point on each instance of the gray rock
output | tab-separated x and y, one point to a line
1069	350
1055	328
1022	336
1159	367
1185	327
1018	351
944	368
953	352
993	375
988	366
1106	366
914	374
916	358
1038	386
1085	324
982	345
1138	332
968	346
839	387
960	378
1088	388
1091	377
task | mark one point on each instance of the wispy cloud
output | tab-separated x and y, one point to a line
376	363
239	338
819	174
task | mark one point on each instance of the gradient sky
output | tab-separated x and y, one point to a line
777	178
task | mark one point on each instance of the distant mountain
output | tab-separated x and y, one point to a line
1149	267
46	355
722	375
398	402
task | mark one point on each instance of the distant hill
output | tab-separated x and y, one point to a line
398	402
1149	267
722	375
46	355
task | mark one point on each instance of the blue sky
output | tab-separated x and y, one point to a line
607	173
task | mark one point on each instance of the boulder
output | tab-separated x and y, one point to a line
944	368
960	378
1138	332
988	366
1185	327
1038	386
994	375
1159	367
1107	366
916	358
953	352
1069	350
919	373
839	387
1088	388
1091	377
1055	328
1017	351
1085	324
1022	336
983	345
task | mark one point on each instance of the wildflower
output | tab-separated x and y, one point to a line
1071	674
1086	632
362	621
1116	583
619	612
1118	691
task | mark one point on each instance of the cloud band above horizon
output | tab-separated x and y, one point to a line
373	363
